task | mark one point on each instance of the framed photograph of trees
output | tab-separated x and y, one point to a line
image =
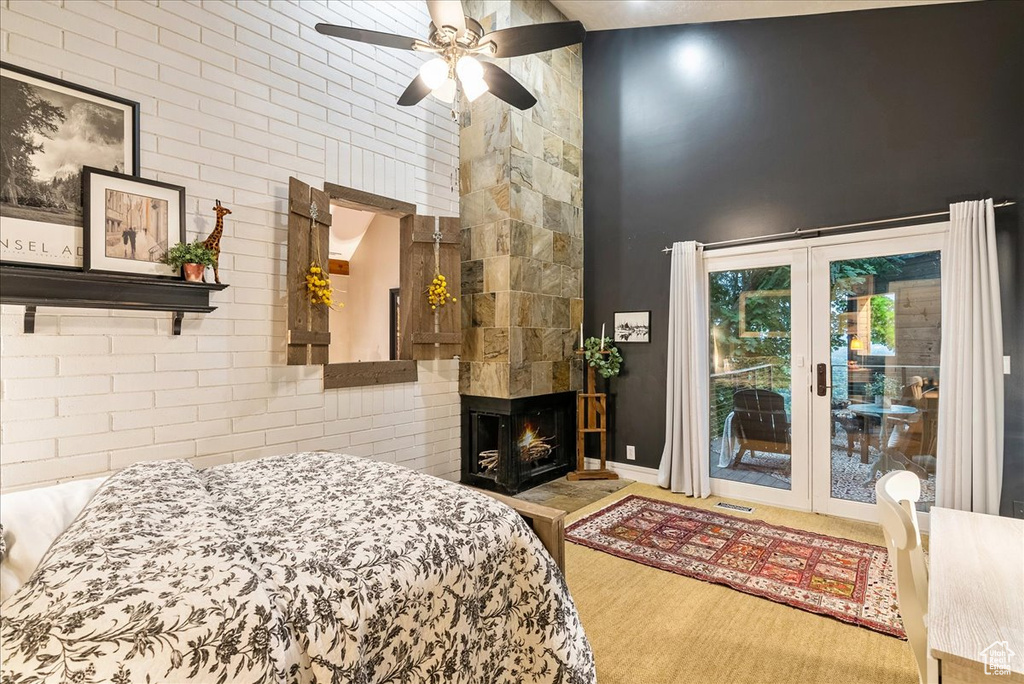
632	326
49	130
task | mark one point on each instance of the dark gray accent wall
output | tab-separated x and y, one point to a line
717	131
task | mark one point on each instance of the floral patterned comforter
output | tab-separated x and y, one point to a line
312	567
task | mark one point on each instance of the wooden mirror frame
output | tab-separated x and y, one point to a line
368	373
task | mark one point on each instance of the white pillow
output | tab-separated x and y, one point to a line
32	520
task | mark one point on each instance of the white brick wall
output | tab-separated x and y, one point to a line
236	97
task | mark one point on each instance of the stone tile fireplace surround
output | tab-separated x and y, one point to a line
521	207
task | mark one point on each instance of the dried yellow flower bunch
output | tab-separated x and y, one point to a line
437	293
318	286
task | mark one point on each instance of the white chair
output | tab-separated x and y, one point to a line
897	493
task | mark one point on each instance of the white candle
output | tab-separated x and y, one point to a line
602	337
581	336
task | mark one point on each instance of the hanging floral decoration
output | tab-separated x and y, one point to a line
318	282
318	286
437	293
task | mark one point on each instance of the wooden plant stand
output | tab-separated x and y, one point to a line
591	417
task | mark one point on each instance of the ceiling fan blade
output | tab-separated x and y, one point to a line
388	40
526	40
503	86
447	13
416	91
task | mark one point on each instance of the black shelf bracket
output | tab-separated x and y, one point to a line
30	320
33	287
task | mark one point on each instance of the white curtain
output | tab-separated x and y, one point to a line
684	462
969	470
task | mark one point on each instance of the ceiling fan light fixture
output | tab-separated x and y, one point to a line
469	69
435	73
446	91
454	42
474	88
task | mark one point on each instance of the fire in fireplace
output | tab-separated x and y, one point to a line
510	445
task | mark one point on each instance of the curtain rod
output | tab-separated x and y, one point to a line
800	232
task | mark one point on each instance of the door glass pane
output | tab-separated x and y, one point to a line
884	338
750	409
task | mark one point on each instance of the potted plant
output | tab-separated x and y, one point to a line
884	388
191	257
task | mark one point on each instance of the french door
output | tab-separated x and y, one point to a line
824	368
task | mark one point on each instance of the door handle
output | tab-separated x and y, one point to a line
822	375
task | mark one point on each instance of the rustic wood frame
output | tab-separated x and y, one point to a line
309	222
417	245
368	373
367	201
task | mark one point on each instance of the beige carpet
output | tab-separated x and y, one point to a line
649	626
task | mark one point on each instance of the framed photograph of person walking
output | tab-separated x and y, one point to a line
49	130
130	223
632	326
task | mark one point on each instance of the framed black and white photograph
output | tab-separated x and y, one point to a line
49	130
130	223
632	326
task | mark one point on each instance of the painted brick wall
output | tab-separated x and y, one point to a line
236	97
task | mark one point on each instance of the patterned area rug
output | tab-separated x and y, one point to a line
844	579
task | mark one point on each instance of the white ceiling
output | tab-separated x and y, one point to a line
348	226
599	15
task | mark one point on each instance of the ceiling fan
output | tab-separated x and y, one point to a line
457	41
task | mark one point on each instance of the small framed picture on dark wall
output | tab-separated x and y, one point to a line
130	223
632	326
50	130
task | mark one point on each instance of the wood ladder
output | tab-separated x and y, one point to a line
591	417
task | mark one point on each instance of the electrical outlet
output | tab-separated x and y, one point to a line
630	452
1018	509
1006	365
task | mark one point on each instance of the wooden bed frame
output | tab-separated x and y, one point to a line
547	523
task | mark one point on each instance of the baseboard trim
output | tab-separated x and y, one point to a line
632	472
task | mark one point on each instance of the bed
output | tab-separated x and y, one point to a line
311	567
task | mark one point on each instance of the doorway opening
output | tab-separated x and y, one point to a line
364	265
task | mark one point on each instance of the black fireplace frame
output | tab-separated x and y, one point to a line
512	476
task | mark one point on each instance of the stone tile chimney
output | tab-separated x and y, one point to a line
521	188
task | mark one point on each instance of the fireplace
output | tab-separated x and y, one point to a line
509	445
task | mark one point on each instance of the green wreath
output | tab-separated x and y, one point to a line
606	364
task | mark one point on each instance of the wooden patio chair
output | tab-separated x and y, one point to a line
760	423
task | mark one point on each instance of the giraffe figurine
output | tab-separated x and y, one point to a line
212	243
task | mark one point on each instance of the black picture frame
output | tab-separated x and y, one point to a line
627	317
63	236
95	180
